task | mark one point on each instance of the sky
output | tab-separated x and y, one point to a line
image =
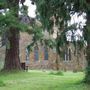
31	8
80	20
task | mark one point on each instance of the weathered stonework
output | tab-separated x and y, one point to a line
77	62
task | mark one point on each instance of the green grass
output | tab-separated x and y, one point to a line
2	84
42	80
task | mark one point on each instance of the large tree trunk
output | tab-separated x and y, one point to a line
87	77
12	51
12	60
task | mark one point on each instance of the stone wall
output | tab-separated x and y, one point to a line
77	62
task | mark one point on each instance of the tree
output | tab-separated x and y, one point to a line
12	25
51	16
61	10
12	60
87	38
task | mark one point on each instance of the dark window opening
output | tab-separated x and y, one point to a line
45	53
36	54
67	55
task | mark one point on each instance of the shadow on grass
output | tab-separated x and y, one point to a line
59	73
5	72
2	83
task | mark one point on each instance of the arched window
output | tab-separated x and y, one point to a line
45	53
67	54
27	57
36	53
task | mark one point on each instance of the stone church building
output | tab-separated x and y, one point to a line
45	58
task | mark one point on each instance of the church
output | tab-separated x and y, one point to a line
41	57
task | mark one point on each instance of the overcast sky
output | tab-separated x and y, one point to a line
31	8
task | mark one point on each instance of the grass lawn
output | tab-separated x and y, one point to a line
42	80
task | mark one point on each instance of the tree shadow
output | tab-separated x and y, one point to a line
59	73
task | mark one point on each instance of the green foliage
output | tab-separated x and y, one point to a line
30	47
87	76
8	20
87	29
49	43
3	4
37	33
23	10
60	10
50	8
80	44
12	19
79	5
